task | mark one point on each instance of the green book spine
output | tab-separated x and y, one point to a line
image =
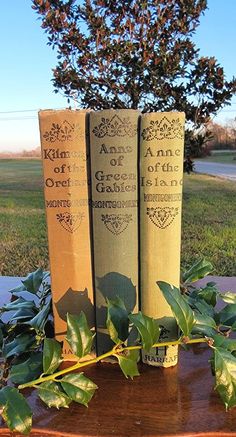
161	175
113	149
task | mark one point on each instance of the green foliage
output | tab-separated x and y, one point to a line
19	345
16	412
225	375
181	309
27	370
128	363
79	388
117	320
31	359
79	336
148	329
51	355
204	325
135	54
50	393
198	271
33	281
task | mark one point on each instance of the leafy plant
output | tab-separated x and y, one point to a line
31	359
136	54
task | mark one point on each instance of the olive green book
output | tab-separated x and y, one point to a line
161	179
65	164
114	180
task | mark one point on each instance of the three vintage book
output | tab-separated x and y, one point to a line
113	193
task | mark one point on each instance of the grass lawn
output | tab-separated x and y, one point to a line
209	220
222	157
209	223
23	241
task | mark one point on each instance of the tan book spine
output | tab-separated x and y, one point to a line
114	164
161	175
65	158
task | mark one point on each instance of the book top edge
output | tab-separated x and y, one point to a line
58	111
163	114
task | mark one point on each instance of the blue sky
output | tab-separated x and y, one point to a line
27	61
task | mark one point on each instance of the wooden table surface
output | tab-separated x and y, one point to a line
178	401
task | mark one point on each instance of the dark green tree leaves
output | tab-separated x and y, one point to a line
78	388
198	271
225	375
15	410
126	60
50	393
148	329
182	311
51	356
117	320
79	336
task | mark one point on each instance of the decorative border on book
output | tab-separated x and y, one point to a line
63	132
115	126
165	128
116	223
162	217
70	222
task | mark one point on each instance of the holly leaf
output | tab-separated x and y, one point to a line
209	294
51	355
79	336
148	329
204	325
1	338
128	363
50	393
28	370
79	388
228	297
19	304
20	344
227	316
15	410
18	289
117	320
198	271
200	305
225	375
182	311
33	281
226	343
38	322
23	314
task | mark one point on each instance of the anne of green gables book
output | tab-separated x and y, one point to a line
161	178
114	180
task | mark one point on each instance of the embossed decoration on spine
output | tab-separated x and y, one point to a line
116	223
165	128
70	222
62	132
162	217
115	126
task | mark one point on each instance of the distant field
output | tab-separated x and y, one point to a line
209	220
223	157
23	242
